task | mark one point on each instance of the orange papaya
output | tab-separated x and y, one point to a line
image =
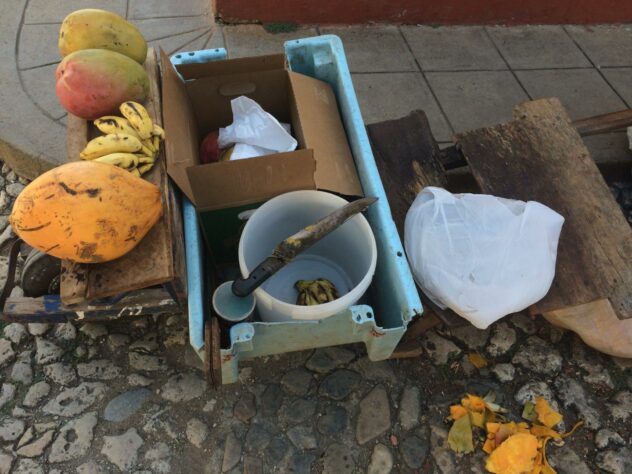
86	212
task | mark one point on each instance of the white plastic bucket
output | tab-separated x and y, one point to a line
346	257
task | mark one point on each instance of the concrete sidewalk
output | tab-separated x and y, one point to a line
462	77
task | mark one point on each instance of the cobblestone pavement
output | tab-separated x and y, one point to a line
131	397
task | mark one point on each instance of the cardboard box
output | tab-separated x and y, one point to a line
196	100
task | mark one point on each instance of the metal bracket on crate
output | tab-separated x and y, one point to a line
357	324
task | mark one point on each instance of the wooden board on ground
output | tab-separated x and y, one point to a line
540	156
159	257
407	157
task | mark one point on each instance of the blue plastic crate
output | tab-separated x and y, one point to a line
394	299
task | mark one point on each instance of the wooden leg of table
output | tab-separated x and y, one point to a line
421	325
410	346
407	350
212	356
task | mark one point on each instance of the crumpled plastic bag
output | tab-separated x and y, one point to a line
482	256
254	132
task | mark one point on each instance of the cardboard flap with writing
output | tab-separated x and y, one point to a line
213	95
322	131
181	139
251	180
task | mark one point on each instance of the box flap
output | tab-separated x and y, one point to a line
181	139
212	108
251	180
322	131
233	66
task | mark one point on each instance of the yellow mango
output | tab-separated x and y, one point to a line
99	29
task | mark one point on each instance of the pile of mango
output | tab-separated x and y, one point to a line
102	63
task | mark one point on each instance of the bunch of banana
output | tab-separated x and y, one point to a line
313	292
131	142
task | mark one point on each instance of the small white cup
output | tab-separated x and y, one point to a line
231	308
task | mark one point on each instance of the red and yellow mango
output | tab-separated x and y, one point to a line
94	82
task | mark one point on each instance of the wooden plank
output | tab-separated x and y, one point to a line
178	282
408	159
451	157
50	308
407	350
421	325
212	354
152	261
540	156
604	123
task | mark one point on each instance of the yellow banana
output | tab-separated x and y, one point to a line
314	292
328	288
311	301
158	131
301	301
226	155
145	159
112	143
122	160
135	172
149	144
147	151
144	168
138	118
113	124
155	141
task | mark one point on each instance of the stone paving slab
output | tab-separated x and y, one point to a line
609	148
139	9
254	40
621	80
583	92
39	83
455	48
478	98
47	11
378	102
374	48
157	28
187	41
537	47
38	45
606	45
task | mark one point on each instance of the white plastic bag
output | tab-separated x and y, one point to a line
253	127
482	256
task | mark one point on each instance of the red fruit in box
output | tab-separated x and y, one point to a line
209	149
